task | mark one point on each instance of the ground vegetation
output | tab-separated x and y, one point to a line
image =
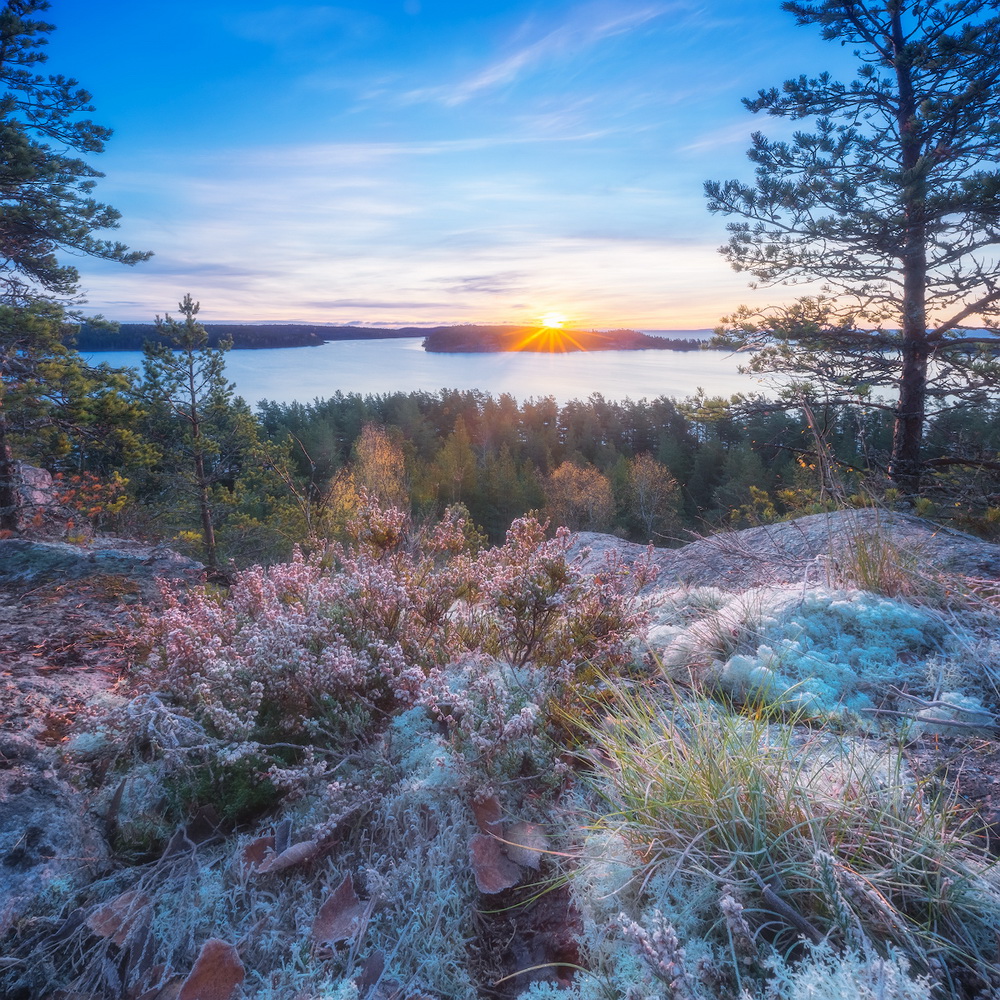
411	763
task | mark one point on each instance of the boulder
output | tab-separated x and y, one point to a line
49	843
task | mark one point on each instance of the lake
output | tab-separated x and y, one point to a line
287	374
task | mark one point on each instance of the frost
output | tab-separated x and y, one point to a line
951	707
825	975
819	649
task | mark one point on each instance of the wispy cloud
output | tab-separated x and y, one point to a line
311	156
500	283
737	133
588	27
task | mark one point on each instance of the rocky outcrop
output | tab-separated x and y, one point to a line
807	549
26	562
64	613
48	841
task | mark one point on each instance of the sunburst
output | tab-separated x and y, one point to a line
550	337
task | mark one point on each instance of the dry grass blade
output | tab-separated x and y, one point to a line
699	790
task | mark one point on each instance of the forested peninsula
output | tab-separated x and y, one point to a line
245	336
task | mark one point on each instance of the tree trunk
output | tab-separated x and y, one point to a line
207	528
905	464
908	428
9	494
201	480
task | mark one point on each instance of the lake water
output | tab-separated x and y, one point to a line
287	374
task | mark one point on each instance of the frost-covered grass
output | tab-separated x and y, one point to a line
824	838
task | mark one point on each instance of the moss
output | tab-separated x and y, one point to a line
239	791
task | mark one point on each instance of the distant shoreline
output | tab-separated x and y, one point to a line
443	339
245	336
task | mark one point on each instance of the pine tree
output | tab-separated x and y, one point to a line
46	207
892	203
204	430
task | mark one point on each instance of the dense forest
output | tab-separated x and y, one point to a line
143	456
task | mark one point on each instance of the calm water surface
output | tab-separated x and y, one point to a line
287	374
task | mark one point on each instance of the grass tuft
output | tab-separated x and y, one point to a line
824	839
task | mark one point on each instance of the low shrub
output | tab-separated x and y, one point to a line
322	650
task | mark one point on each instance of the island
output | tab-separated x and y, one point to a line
548	340
93	337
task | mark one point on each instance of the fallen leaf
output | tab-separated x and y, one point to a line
371	973
493	870
217	974
525	843
116	918
297	854
256	851
489	815
343	917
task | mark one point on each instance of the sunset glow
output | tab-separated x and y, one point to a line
428	163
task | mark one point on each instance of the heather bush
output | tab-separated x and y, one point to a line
320	650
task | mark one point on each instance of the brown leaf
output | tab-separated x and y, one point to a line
256	851
116	918
297	854
525	843
343	917
489	815
371	973
217	973
493	870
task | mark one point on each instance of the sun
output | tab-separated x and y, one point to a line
553	320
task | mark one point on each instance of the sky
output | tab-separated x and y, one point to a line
397	162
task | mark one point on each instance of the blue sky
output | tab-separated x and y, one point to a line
426	161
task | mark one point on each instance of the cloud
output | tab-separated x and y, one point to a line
165	266
490	284
588	27
737	133
387	304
